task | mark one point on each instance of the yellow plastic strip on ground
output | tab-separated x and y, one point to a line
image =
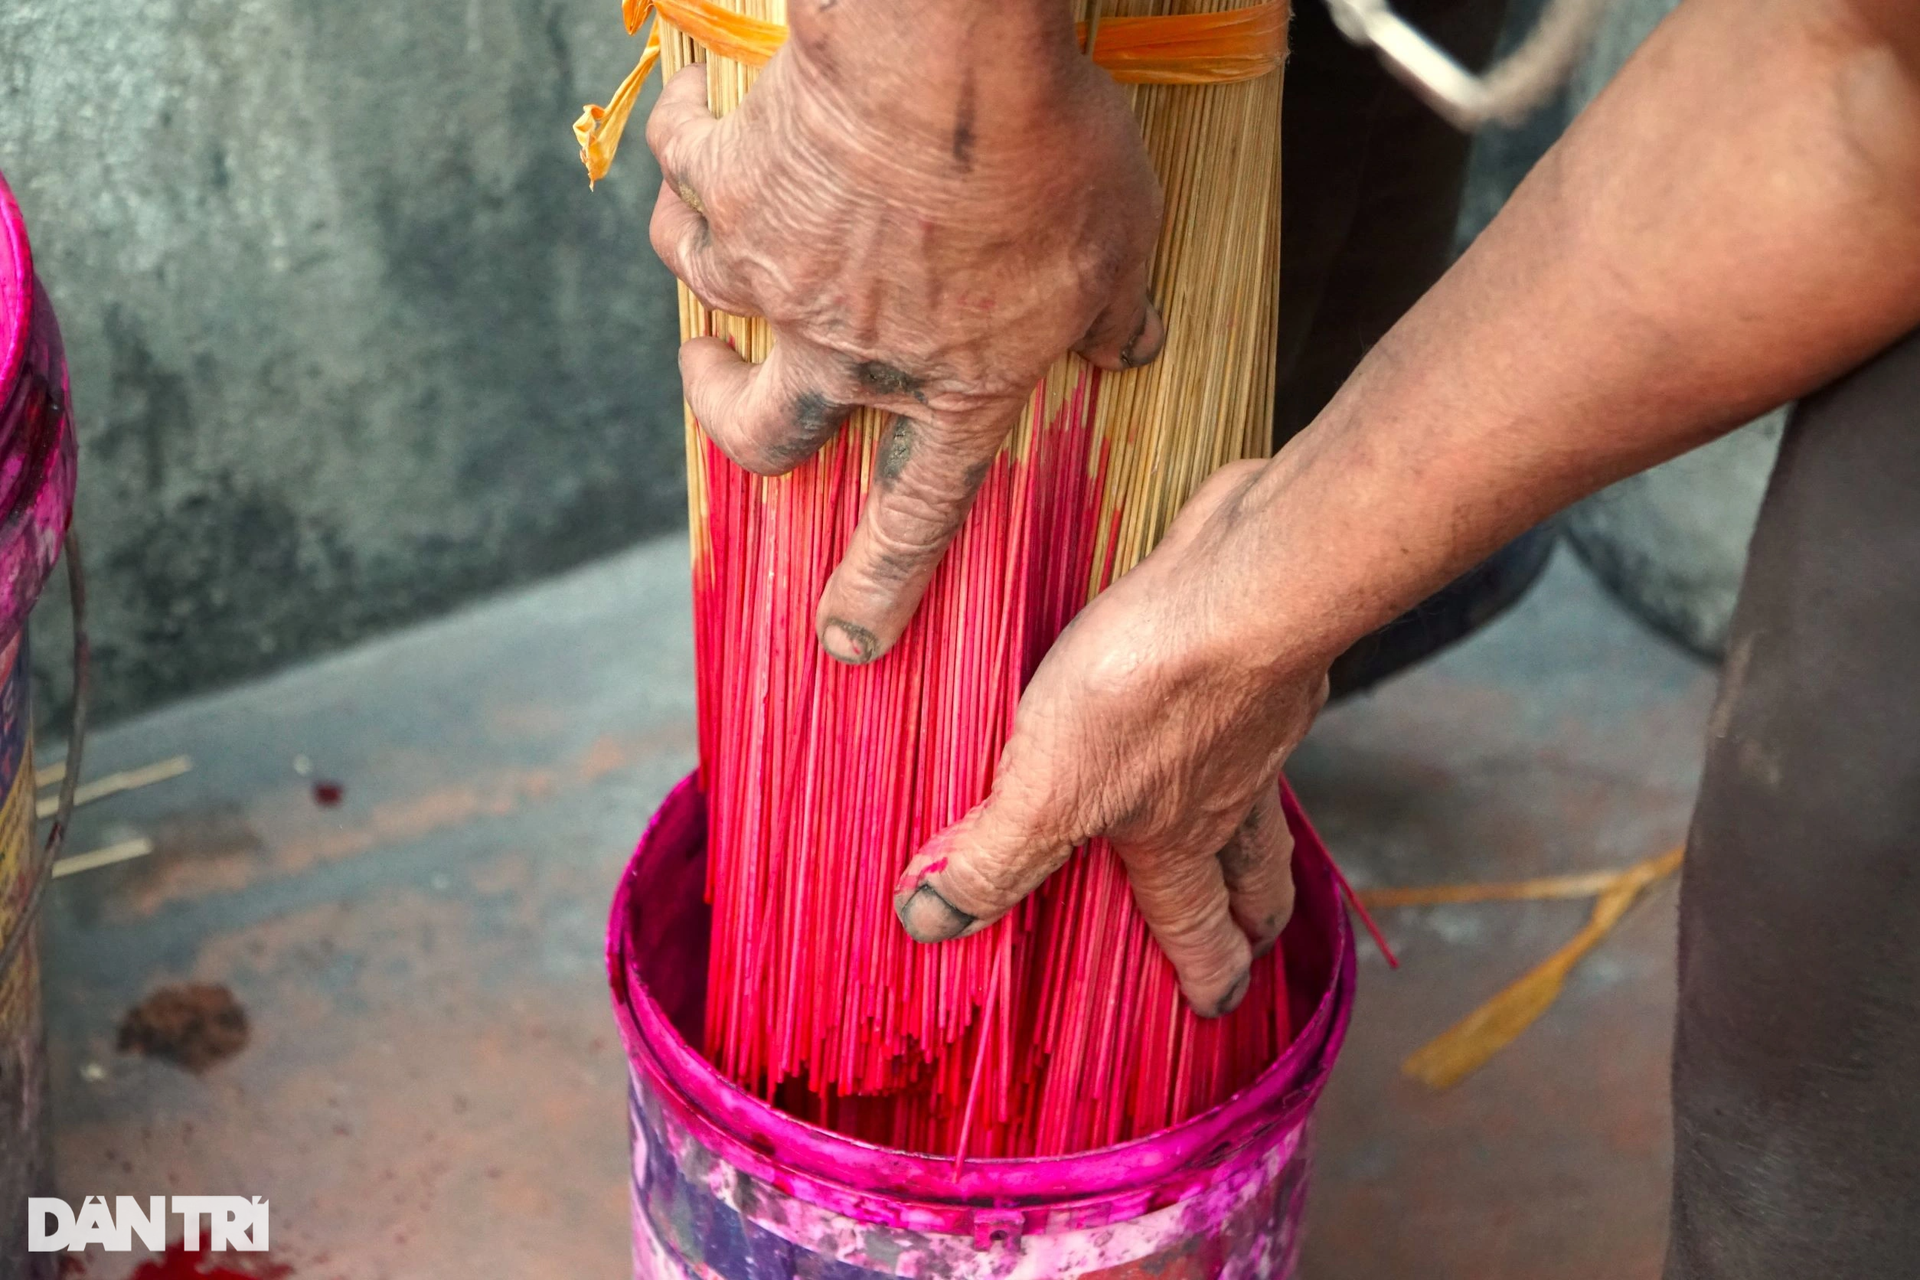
1464	1048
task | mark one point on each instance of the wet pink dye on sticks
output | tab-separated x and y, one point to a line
725	1186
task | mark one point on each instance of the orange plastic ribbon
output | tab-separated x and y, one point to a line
1196	48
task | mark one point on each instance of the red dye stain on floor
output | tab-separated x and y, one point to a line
182	1263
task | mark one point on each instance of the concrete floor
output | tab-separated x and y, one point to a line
434	1086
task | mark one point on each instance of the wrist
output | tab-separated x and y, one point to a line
1228	582
1300	571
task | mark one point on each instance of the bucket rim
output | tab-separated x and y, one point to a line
891	1186
16	290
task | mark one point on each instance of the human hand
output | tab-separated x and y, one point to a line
929	209
1152	723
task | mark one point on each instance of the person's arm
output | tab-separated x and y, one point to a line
930	202
1733	222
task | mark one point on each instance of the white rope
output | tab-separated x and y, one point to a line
1521	82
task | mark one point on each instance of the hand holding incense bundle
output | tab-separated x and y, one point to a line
1061	1027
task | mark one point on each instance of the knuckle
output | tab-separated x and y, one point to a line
664	236
659	128
1215	967
980	884
714	200
782	439
664	121
988	881
1271	924
777	438
759	453
913	522
881	379
1118	673
1192	913
1002	878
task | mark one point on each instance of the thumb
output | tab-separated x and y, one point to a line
977	870
1130	332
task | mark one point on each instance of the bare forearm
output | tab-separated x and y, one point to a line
1735	221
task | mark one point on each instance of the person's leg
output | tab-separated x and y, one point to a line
1796	1077
1370	194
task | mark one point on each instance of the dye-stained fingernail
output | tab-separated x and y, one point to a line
1235	994
847	641
917	871
928	917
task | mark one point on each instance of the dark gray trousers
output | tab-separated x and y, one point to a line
1796	1074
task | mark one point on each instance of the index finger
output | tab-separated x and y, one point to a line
924	481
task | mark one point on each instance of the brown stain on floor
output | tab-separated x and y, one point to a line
192	1026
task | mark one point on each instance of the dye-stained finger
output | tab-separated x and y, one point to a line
767	417
684	242
924	481
1257	864
982	866
684	136
1182	895
1129	333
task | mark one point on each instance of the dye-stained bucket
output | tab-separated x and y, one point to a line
726	1187
36	500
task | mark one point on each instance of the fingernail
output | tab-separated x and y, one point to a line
925	864
1138	350
1235	994
928	917
849	642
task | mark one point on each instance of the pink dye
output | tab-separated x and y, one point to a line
1059	1029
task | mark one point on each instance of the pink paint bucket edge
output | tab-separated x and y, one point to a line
922	1193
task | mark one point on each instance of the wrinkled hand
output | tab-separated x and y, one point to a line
1149	725
928	216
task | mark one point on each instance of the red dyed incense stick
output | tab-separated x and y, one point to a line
1059	1029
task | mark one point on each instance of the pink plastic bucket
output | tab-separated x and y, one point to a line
37	451
36	499
725	1186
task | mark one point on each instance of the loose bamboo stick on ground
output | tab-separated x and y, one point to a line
115	783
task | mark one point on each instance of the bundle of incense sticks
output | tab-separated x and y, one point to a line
1061	1028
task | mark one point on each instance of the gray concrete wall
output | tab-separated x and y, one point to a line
351	339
